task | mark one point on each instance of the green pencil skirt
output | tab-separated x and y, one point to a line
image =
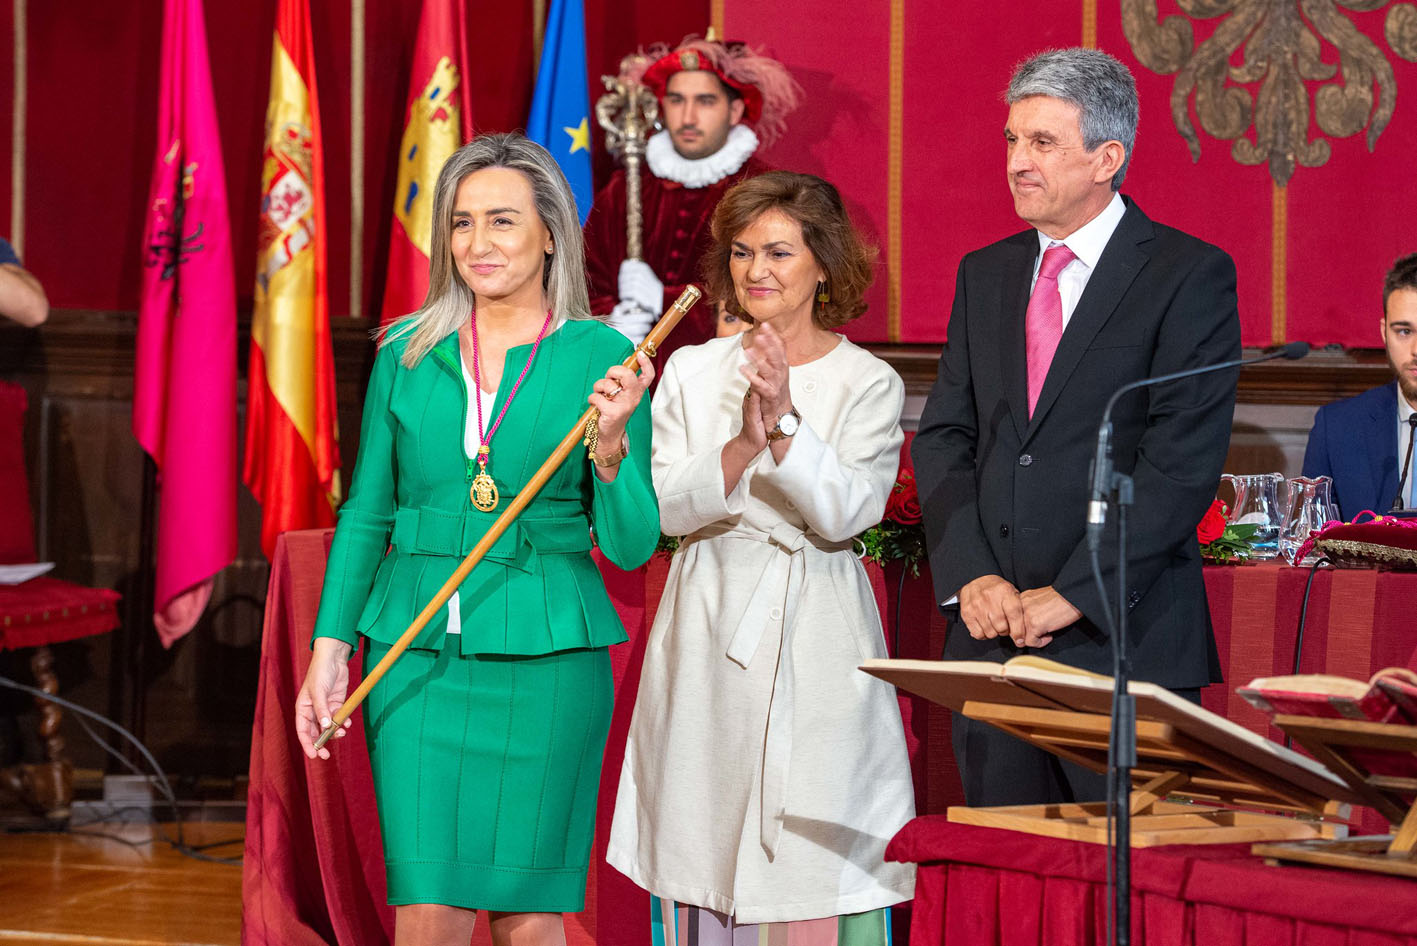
486	771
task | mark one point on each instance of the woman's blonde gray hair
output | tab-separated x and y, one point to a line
449	299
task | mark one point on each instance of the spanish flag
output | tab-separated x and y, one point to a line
292	436
438	122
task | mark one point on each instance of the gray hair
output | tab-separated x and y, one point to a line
1099	85
450	299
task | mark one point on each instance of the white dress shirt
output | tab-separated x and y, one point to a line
471	441
1087	243
1404	432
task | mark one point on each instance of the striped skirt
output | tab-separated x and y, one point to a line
676	924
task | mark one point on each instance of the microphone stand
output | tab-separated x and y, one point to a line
1111	488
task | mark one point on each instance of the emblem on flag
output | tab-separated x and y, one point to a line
430	138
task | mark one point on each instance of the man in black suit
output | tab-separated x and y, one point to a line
1045	326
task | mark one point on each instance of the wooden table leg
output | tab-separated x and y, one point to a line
53	780
48	785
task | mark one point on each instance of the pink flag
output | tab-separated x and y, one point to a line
184	388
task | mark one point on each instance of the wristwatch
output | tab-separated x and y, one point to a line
786	426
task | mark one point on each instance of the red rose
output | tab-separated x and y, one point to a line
1212	524
903	504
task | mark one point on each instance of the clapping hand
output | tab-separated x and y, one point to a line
767	374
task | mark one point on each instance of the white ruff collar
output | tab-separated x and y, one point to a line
665	162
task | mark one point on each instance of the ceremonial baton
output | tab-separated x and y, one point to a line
649	347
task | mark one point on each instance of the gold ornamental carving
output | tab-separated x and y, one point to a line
1257	68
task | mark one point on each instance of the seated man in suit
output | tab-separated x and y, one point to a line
1363	442
1046	325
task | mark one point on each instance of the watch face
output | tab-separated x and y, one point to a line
787	423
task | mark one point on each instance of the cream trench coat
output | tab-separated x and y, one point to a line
764	772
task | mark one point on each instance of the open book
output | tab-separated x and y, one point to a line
1389	697
1225	760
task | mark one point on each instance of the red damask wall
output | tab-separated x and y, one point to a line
1331	234
92	87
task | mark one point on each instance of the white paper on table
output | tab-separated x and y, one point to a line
14	574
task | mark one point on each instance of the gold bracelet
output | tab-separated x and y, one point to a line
592	435
614	458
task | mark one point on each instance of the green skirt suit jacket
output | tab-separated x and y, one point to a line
486	736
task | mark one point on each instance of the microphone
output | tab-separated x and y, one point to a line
1102	460
1397	504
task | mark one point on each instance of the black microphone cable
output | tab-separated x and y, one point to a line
160	779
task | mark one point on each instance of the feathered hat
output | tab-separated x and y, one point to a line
769	92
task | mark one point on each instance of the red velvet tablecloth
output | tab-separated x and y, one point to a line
1359	621
1003	888
313	871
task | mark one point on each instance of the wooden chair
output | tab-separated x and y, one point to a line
38	613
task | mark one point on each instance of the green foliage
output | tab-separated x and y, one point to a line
1232	546
890	541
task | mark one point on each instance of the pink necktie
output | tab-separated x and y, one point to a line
1043	324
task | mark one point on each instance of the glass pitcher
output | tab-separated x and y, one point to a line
1257	503
1308	507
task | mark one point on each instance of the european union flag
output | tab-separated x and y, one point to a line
560	106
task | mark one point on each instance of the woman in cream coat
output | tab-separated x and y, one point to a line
765	773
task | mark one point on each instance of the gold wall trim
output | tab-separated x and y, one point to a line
1089	23
19	108
538	36
716	18
1279	264
893	177
356	158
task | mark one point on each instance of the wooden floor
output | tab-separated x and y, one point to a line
80	888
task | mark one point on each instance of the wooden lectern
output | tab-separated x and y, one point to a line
1199	778
1379	763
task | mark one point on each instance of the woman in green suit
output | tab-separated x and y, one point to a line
486	736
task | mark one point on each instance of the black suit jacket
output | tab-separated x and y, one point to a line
1005	494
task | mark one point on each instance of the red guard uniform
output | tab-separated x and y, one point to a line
675	239
678	195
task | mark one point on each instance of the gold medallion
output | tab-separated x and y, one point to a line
484	492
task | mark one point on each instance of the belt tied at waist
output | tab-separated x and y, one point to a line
427	530
775	596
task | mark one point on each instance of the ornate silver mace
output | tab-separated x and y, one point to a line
627	111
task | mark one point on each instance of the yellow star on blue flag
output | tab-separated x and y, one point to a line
560	106
580	136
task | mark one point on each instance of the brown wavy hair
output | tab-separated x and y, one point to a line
847	260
